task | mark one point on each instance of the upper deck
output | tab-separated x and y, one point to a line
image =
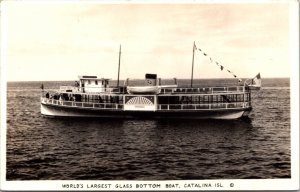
163	91
205	90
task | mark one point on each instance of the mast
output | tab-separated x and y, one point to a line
119	66
193	64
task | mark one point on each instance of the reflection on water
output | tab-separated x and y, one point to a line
150	149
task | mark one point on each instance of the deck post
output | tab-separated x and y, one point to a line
193	64
119	67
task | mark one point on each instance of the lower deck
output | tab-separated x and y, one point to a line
69	111
145	106
159	107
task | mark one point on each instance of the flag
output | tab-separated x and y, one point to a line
222	68
199	49
257	76
228	71
217	63
204	54
257	80
210	59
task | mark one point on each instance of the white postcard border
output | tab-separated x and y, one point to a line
230	184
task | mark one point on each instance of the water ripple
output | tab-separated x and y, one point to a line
41	148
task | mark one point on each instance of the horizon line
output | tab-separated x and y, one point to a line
143	79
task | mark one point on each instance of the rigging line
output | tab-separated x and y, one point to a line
211	60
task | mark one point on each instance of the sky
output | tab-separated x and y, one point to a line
59	41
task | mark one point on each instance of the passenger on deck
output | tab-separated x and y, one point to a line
55	96
77	85
47	95
100	99
61	97
70	97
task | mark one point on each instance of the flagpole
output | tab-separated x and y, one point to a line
193	64
119	66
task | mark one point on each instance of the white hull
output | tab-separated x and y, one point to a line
232	115
50	110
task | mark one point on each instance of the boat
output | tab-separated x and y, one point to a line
95	97
143	90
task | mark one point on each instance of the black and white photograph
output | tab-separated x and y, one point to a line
158	95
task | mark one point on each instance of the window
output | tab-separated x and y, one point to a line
96	82
89	81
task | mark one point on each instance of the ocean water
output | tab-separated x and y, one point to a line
40	148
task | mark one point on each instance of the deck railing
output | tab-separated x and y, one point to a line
74	89
178	90
204	106
161	107
205	90
115	106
